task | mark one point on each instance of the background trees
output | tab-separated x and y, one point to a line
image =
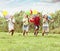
55	26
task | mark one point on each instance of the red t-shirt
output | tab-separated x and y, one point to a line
37	20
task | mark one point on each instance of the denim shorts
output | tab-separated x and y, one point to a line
46	28
25	27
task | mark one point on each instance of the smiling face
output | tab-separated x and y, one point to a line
11	17
45	16
38	14
25	15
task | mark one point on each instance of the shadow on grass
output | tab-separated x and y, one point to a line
39	35
4	37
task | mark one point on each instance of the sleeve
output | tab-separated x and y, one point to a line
49	17
24	19
13	20
8	19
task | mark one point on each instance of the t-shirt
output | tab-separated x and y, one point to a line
37	20
11	23
45	22
25	21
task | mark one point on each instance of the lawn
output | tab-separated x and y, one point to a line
18	42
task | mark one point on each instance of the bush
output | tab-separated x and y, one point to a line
56	30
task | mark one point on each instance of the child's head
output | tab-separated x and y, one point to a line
45	16
11	17
25	15
38	14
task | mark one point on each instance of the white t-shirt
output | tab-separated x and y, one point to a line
45	22
11	24
25	21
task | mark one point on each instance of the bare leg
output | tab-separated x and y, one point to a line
43	33
12	32
36	32
24	33
27	33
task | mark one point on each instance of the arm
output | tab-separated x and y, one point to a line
51	20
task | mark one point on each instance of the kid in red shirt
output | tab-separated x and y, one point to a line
36	23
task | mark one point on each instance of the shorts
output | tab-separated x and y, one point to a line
25	27
46	28
10	28
36	27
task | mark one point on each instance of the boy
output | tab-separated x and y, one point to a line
36	23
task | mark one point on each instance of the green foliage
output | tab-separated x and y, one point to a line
56	30
18	25
3	24
56	17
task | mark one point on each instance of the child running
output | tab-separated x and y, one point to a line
36	23
25	24
11	22
45	24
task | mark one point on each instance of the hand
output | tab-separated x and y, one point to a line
52	20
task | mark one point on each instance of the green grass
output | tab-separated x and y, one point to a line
18	42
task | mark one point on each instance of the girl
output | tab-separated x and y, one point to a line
25	24
45	24
11	22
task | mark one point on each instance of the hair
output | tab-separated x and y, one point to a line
44	17
38	13
26	15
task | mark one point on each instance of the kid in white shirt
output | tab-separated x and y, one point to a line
25	24
11	22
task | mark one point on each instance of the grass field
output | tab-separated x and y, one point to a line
18	42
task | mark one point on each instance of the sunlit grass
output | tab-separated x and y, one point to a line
18	42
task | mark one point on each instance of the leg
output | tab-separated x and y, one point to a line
44	30
43	33
47	30
12	32
36	30
24	33
27	28
27	33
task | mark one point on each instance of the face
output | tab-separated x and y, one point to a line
24	15
38	14
11	17
45	16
